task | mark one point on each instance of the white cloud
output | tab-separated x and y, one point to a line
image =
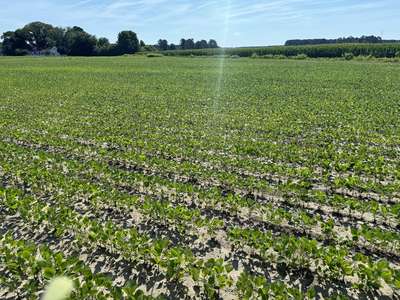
173	19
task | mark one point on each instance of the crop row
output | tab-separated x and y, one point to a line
354	159
123	242
315	198
126	182
42	172
337	50
26	268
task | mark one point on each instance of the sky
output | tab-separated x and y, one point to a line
231	22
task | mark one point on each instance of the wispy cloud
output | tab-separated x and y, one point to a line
258	21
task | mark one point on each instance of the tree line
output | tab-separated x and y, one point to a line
186	44
371	39
42	38
38	37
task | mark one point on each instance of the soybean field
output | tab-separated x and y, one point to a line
200	178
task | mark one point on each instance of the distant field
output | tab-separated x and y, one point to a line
200	178
315	51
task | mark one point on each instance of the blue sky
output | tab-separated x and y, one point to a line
230	22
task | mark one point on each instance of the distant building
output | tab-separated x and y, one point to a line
46	52
54	52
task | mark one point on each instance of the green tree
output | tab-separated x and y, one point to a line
58	34
103	42
40	36
104	48
182	44
15	43
79	43
163	44
189	44
36	36
212	44
201	44
128	42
